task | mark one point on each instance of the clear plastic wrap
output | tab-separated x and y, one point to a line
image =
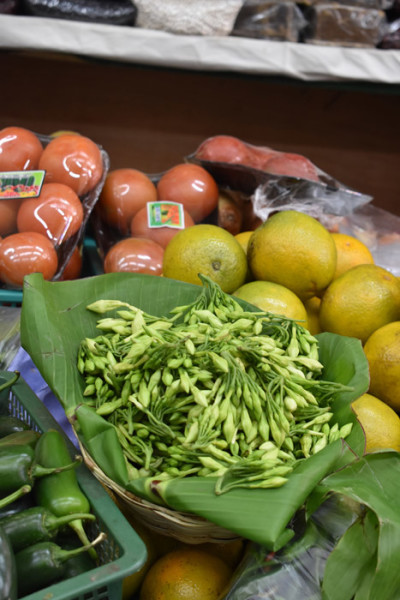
44	233
295	572
109	12
266	180
271	20
345	25
391	39
378	4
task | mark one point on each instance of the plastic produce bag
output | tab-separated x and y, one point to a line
296	572
344	25
272	20
192	17
110	12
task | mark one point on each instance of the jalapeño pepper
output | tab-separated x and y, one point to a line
20	438
9	424
18	468
44	563
60	492
8	574
35	524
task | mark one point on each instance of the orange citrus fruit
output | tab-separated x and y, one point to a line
381	424
295	250
312	308
350	252
274	298
186	574
382	350
360	301
209	250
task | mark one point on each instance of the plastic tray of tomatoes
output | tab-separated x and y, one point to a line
226	182
120	222
45	234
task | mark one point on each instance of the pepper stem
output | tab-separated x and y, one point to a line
63	555
40	471
11	382
58	522
77	526
25	489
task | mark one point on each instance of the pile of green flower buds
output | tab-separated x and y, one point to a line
212	390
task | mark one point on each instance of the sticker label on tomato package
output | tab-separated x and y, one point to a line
21	184
165	214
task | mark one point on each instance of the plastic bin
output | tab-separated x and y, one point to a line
122	553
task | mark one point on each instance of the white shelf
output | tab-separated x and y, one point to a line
134	45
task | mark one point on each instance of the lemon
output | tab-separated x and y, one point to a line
209	250
350	252
381	424
273	298
186	574
382	350
360	301
312	308
295	250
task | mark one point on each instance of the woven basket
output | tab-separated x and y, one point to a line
184	527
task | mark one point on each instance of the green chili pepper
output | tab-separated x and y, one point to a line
35	524
18	468
10	424
8	572
43	563
75	565
60	492
20	438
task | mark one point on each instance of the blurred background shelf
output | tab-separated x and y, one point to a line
134	45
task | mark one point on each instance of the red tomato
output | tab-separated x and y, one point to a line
224	148
25	253
74	160
8	215
56	213
20	149
125	192
134	255
73	267
293	165
192	186
160	235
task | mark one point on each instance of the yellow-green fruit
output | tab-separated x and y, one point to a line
295	250
381	424
382	350
208	250
360	301
274	298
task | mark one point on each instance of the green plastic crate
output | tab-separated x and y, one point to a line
122	553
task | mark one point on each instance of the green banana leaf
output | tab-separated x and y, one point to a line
365	562
54	320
